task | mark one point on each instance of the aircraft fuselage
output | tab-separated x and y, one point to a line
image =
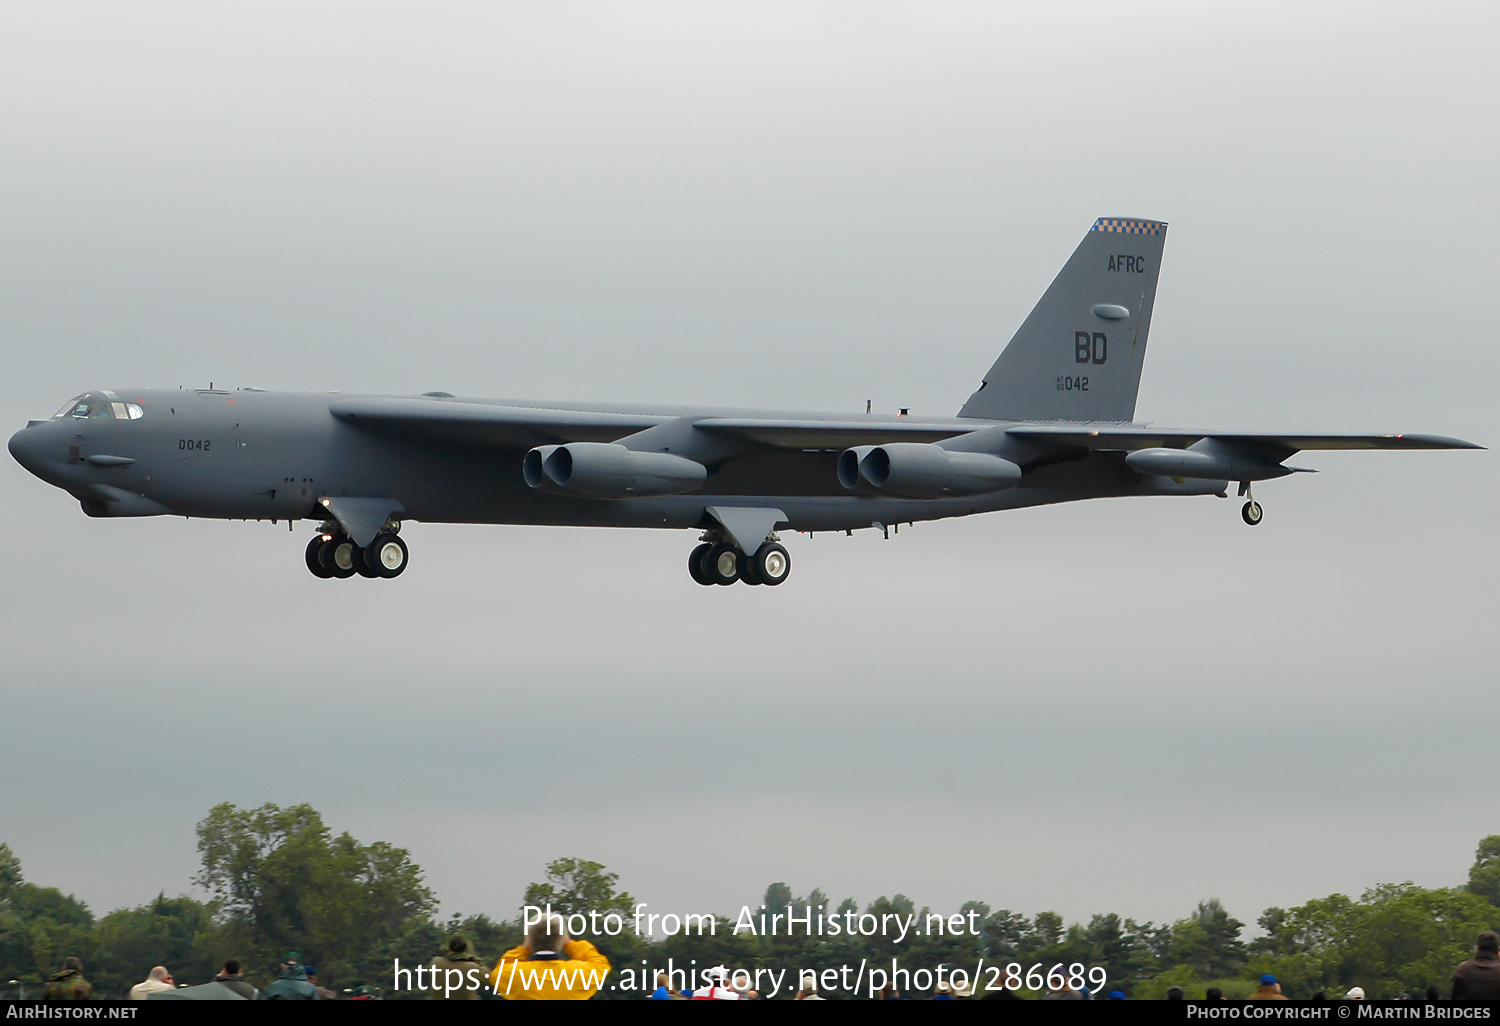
254	455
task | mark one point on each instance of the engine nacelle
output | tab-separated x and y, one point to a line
604	470
918	470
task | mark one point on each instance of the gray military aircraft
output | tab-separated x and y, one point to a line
1050	422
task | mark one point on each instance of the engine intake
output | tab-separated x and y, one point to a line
916	470
605	470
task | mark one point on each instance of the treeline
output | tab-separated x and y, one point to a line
279	880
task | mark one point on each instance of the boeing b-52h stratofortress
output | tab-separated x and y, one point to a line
1051	422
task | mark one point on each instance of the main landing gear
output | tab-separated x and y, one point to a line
1251	512
717	561
331	553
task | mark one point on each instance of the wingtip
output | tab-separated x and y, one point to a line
1435	441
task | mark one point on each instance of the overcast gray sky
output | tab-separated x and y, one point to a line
1123	705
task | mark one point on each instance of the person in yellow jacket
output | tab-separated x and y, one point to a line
550	966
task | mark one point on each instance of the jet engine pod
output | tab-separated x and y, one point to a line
917	470
604	470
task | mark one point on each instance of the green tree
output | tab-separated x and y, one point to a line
1484	875
882	946
1278	938
10	876
1005	936
1209	941
579	886
1047	929
178	933
280	880
1121	947
52	926
778	897
1396	938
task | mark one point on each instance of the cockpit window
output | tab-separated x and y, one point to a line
101	406
67	407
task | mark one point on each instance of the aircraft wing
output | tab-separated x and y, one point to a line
465	423
1131	438
483	424
830	434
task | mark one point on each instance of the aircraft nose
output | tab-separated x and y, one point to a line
26	446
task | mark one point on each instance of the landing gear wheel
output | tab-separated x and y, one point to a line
696	568
1251	513
721	565
337	557
362	565
313	548
385	556
772	563
745	565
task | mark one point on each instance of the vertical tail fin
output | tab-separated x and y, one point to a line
1078	355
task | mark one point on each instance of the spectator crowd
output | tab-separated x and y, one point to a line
550	965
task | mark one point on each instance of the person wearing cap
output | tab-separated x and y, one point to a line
472	971
550	966
1354	994
1269	990
292	984
1478	979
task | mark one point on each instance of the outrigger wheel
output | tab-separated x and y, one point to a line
1251	511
